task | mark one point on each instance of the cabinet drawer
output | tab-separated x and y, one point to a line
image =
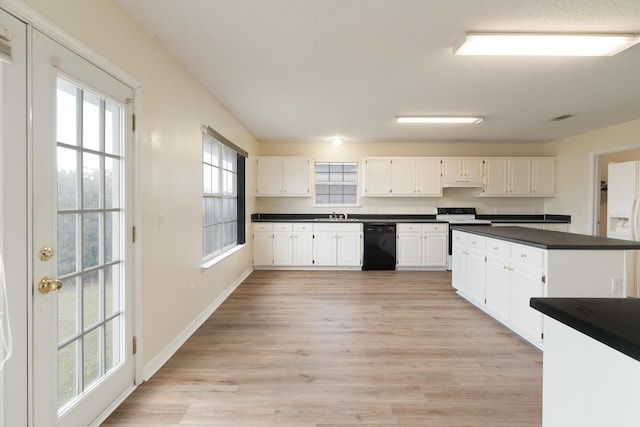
527	255
435	228
302	227
408	228
476	242
262	226
496	247
339	228
282	226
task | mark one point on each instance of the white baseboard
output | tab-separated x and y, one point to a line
157	362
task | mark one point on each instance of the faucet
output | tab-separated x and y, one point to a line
332	215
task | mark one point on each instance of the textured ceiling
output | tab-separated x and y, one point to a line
307	70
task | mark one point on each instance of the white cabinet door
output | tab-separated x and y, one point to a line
295	176
476	273
495	176
302	248
434	250
324	248
404	176
543	177
263	248
428	179
282	249
497	287
526	284
519	176
349	249
473	167
377	176
459	268
451	167
408	249
269	176
282	176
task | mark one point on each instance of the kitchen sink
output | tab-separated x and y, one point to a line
337	219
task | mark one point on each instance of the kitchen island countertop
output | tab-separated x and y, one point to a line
550	240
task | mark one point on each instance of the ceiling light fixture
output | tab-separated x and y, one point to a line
438	120
337	141
545	44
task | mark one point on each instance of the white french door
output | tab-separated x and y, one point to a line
82	297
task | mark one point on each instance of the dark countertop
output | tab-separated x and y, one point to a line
612	321
546	239
408	218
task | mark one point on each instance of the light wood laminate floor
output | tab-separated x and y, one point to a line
344	348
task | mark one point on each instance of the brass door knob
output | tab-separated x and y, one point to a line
47	284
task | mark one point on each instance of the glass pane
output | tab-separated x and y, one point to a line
113	350
335	177
322	199
208	240
335	199
350	167
350	189
209	213
90	240
68	309
207	148
217	215
112	290
91	181
230	233
335	168
218	230
229	183
67	373
111	183
322	176
350	199
206	178
350	177
322	189
91	301
67	161
67	113
215	181
230	158
322	167
112	128
90	121
111	236
68	251
233	209
215	153
91	353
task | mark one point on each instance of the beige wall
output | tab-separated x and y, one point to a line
171	108
352	151
574	184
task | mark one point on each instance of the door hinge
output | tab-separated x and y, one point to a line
133	122
135	345
134	234
542	335
544	279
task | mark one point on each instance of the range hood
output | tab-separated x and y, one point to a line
462	182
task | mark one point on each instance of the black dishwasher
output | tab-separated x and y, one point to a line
379	246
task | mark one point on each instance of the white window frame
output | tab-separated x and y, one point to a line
336	183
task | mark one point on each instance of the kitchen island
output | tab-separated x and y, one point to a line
591	365
499	269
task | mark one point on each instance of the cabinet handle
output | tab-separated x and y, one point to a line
523	255
495	248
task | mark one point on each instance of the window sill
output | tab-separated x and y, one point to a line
207	264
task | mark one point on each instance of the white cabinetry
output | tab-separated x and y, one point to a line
422	245
307	245
282	176
462	171
337	245
519	176
402	176
377	176
303	244
515	273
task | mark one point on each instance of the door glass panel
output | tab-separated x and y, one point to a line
90	238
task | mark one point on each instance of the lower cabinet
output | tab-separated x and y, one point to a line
422	245
307	245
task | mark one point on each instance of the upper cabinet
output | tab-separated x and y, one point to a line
283	176
401	176
519	176
462	171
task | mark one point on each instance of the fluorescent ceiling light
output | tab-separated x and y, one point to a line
425	119
545	44
337	141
